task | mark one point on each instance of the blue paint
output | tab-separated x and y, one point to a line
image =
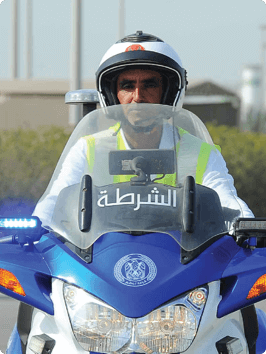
242	271
252	242
32	273
36	265
172	279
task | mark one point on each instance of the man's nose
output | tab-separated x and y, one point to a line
138	95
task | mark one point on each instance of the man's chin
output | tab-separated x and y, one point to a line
143	128
140	122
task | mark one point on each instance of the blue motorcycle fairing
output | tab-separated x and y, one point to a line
172	277
27	265
241	274
35	266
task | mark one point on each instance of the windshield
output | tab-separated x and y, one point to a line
138	157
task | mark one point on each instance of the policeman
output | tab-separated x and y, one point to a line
141	68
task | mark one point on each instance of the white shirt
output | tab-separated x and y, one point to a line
216	176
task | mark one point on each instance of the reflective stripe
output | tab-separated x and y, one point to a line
120	142
90	139
121	146
103	142
187	157
203	159
182	131
115	127
218	147
198	161
170	179
193	164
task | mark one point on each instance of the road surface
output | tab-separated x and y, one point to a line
8	317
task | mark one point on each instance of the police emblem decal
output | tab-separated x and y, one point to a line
135	270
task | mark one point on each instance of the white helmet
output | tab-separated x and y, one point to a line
142	50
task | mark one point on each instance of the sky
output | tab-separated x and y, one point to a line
214	39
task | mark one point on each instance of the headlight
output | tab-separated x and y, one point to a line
167	330
100	328
96	326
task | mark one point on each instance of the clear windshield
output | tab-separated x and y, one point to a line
139	157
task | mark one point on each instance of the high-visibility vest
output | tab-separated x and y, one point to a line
100	144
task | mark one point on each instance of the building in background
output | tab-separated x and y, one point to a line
30	104
34	103
251	94
213	103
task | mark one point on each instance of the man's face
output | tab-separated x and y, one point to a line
139	86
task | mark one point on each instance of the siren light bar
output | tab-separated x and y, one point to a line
19	223
250	224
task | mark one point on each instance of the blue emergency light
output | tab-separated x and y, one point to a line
20	230
19	223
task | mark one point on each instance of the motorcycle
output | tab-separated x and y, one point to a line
132	255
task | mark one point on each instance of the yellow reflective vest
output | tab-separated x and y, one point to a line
99	145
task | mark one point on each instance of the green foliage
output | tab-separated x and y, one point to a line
245	156
256	122
27	161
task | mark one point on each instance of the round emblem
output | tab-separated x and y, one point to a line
133	47
135	270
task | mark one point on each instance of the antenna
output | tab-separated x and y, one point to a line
14	60
28	48
75	59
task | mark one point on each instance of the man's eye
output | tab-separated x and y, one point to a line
126	86
152	84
